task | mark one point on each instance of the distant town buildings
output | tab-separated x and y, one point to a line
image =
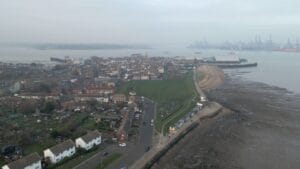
258	44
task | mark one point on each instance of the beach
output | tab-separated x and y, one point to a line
260	130
212	77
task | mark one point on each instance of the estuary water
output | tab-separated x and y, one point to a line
274	68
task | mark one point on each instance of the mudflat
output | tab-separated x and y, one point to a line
262	131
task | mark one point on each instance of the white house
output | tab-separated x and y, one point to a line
60	151
89	140
32	161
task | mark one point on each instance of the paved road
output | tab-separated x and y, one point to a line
136	150
95	159
133	151
146	131
196	82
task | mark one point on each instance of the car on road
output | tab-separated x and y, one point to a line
147	148
122	144
105	154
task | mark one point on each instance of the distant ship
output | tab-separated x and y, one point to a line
228	62
237	65
52	59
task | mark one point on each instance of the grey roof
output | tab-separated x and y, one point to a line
91	136
25	161
59	148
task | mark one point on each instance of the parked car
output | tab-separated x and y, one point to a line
105	153
122	144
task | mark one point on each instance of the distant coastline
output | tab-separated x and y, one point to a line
79	46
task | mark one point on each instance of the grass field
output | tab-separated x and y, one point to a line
2	162
174	97
110	159
78	159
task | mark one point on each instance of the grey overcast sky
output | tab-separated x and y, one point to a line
147	21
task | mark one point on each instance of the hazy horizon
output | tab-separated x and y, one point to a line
155	22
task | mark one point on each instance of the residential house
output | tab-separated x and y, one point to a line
88	141
32	161
99	89
60	151
145	77
118	98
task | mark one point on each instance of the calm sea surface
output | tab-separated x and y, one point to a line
274	68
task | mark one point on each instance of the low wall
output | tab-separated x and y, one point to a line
170	145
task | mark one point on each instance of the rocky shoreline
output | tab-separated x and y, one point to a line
262	131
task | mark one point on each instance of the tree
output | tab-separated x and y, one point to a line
44	88
48	107
27	107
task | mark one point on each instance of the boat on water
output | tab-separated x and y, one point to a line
228	62
53	59
238	65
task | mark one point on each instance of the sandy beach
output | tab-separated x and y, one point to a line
261	130
212	77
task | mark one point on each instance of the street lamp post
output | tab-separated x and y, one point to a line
101	161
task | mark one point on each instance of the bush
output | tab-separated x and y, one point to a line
48	107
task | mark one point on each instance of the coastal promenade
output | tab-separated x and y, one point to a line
210	110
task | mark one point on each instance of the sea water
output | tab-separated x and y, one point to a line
274	68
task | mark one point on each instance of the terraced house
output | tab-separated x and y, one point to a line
89	140
32	161
60	151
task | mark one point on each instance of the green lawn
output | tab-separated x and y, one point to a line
2	162
110	159
39	147
177	115
174	97
73	127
